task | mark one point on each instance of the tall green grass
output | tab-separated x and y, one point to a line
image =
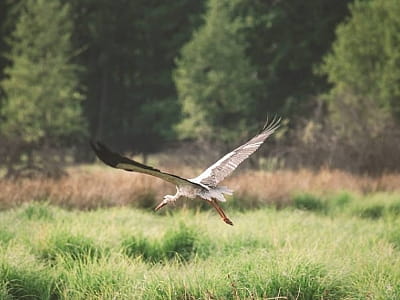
36	211
75	247
126	253
309	202
182	243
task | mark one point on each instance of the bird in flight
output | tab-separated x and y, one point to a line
205	185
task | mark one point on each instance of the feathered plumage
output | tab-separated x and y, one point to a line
227	164
205	185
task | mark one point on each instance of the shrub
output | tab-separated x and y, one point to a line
309	202
26	283
394	209
75	247
373	212
342	199
141	247
5	236
145	200
304	281
394	238
37	211
246	243
180	243
244	202
300	280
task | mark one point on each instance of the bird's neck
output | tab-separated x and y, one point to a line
176	196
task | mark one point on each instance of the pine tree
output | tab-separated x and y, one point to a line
43	102
365	58
215	80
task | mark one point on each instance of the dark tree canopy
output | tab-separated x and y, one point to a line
286	42
255	57
154	73
216	82
42	105
365	58
128	49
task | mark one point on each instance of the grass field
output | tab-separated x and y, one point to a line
337	246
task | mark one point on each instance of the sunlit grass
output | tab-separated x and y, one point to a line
126	253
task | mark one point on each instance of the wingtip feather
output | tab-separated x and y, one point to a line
104	154
271	125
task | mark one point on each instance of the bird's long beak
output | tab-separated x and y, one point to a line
162	204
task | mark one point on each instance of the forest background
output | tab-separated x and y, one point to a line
177	84
182	76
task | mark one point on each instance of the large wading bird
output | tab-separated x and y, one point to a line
205	185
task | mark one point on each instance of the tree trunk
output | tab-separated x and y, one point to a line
144	158
99	134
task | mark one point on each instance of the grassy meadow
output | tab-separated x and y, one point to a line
297	235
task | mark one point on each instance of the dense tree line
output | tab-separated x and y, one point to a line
121	54
140	74
128	50
254	57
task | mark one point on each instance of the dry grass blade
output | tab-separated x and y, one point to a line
88	188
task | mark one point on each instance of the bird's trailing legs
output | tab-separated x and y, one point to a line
218	208
213	202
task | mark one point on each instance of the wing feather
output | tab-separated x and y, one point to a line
118	161
227	164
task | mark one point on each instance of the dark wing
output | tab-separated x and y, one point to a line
227	164
118	161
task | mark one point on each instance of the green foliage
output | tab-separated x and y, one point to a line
287	40
5	236
43	100
251	58
75	247
181	244
338	203
100	279
379	206
365	58
214	78
374	211
128	49
142	247
268	253
341	199
146	200
37	211
26	282
248	242
244	202
394	237
8	13
394	209
42	107
304	280
309	202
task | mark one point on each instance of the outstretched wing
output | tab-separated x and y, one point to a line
227	164
118	161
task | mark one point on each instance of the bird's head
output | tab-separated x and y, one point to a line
169	198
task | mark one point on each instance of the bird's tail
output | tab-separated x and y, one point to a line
220	191
225	190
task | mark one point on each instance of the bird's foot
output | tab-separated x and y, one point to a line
227	221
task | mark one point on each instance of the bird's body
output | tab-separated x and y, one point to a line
204	186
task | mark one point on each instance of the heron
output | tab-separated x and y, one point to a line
206	185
